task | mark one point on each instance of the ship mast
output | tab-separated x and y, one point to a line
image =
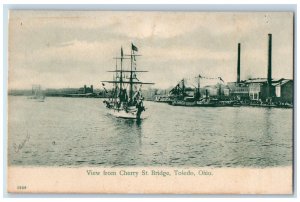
116	84
198	89
131	71
121	76
130	79
183	87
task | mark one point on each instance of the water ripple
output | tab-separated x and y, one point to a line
171	136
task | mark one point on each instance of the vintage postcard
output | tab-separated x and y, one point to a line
150	102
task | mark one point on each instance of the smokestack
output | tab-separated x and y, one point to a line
270	65
239	64
270	61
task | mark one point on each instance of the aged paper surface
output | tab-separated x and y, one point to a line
222	181
150	102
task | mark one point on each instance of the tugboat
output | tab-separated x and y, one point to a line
191	97
207	101
185	95
126	100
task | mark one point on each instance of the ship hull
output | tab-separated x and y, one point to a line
126	100
121	113
37	98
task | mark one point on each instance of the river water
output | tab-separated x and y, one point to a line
76	132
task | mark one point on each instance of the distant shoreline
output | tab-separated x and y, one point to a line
70	96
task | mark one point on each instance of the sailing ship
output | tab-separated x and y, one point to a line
126	100
37	93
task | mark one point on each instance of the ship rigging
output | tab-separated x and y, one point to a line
126	100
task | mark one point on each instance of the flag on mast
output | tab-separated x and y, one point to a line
121	51
221	79
133	47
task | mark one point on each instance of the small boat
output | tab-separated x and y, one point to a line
208	102
163	99
187	101
284	105
262	105
126	100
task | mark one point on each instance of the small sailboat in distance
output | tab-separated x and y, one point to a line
37	93
126	100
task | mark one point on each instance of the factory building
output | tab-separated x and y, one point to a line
86	90
284	91
261	89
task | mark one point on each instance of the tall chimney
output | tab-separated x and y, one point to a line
270	65
239	64
270	60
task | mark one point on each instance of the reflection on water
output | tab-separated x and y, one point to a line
79	132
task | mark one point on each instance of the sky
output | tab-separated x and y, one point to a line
61	49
